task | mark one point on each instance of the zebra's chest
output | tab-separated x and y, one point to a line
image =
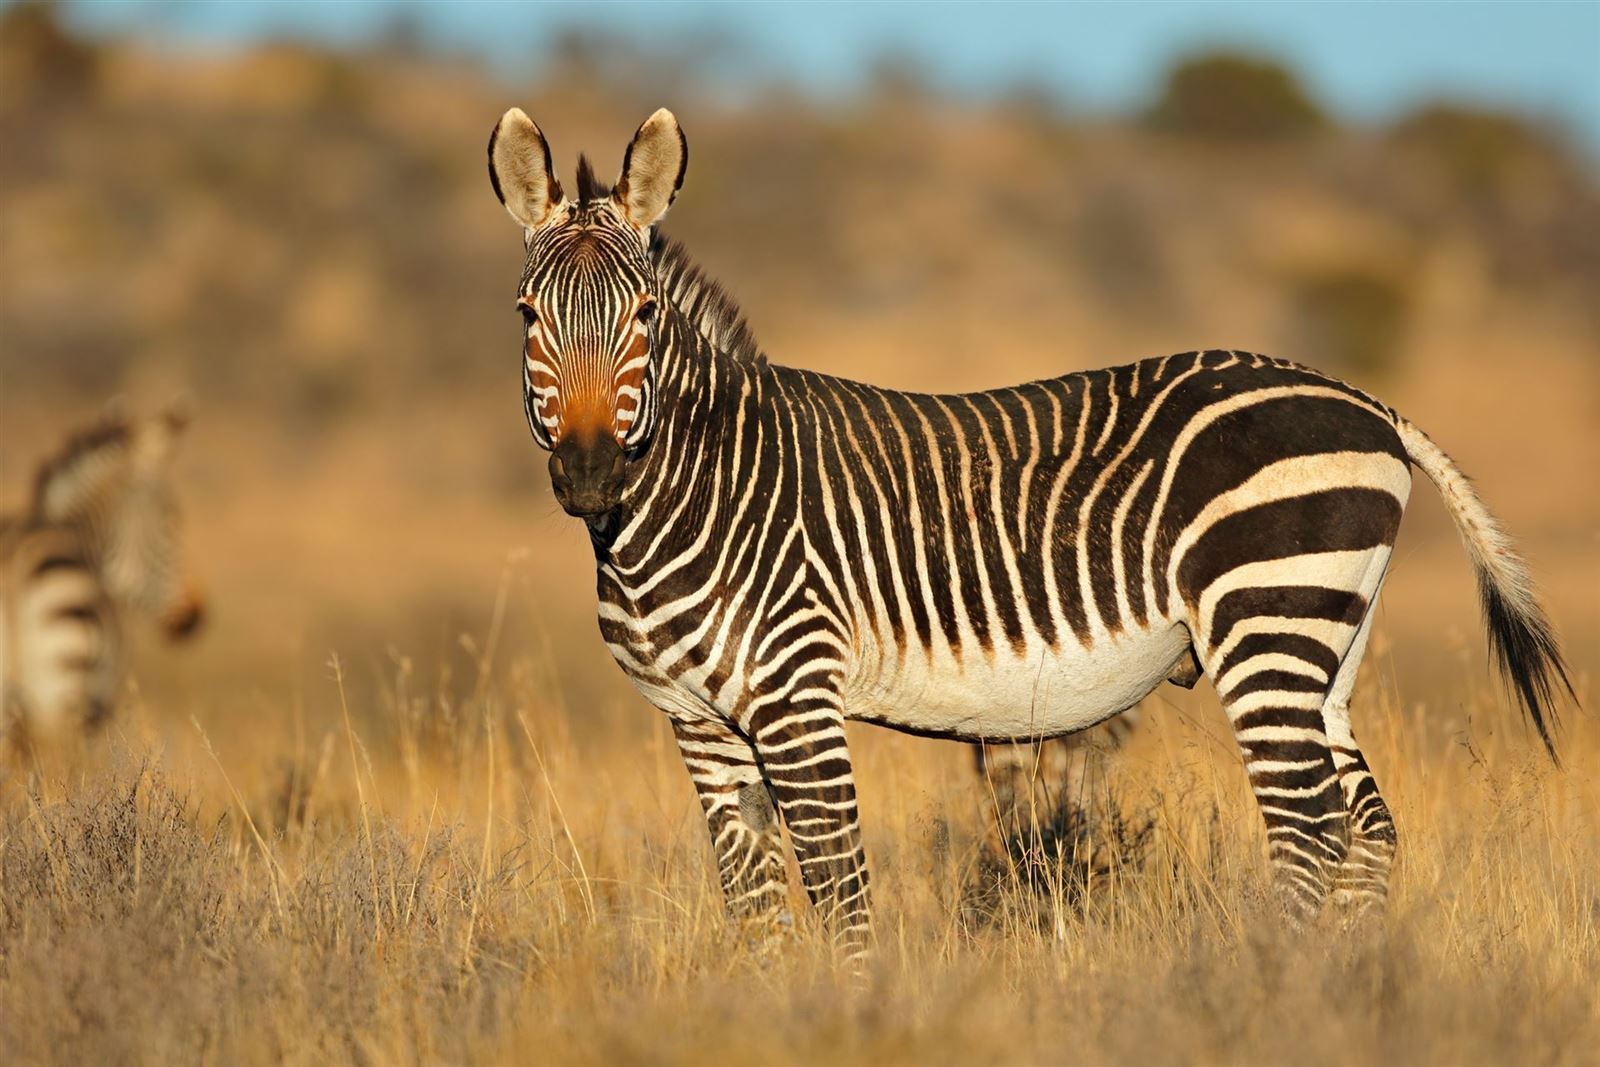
1040	692
674	650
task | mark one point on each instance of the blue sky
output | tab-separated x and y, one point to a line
1367	60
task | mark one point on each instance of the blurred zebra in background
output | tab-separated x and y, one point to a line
1036	793
1032	791
100	537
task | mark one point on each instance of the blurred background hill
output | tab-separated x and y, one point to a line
471	840
301	237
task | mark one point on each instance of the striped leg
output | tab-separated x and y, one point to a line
744	826
1362	881
803	753
1024	783
1037	788
1273	669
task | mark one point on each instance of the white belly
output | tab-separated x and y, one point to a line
1042	692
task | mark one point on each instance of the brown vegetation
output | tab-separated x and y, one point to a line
472	841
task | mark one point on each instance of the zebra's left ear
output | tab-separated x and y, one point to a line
156	436
652	170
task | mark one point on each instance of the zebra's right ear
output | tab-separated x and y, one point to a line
520	170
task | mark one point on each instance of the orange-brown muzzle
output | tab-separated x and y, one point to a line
183	618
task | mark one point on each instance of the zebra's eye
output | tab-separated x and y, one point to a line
529	316
647	313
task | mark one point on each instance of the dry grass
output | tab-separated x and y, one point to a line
486	849
484	877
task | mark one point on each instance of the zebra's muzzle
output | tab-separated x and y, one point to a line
184	618
587	475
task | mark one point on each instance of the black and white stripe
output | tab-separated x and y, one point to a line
793	550
1030	787
100	537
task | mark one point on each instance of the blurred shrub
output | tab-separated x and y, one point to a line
1349	320
1527	197
1117	237
1483	153
310	230
40	61
1228	96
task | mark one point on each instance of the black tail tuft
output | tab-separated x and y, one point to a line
1525	648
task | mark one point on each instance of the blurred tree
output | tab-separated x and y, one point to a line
40	59
898	79
1484	153
1228	96
402	35
1349	320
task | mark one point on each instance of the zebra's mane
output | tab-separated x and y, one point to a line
704	302
590	188
66	481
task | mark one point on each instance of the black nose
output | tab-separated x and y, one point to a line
587	474
185	618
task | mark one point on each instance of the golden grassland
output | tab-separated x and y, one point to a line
397	805
474	873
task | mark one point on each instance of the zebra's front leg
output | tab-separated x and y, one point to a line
803	752
743	824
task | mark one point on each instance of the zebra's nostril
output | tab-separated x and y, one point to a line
185	619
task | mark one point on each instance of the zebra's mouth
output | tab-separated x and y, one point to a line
184	620
587	475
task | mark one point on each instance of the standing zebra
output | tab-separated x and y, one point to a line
1034	791
778	551
100	536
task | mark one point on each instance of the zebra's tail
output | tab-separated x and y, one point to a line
1520	633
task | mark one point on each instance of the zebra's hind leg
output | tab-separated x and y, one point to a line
1361	884
743	825
1039	795
1028	786
1273	670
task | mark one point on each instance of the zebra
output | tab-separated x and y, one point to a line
1031	787
778	551
100	536
1034	791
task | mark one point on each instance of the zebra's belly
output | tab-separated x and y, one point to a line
1041	692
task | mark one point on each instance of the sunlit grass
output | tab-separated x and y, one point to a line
471	870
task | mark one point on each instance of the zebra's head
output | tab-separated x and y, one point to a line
588	300
114	482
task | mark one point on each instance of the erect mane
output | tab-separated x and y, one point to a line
705	303
590	188
75	472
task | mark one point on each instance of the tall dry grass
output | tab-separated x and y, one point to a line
485	847
467	871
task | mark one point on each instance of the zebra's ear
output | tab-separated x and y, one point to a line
520	170
652	170
155	439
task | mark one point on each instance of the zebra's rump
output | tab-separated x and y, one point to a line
58	636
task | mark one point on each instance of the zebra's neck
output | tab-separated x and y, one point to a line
79	486
705	396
